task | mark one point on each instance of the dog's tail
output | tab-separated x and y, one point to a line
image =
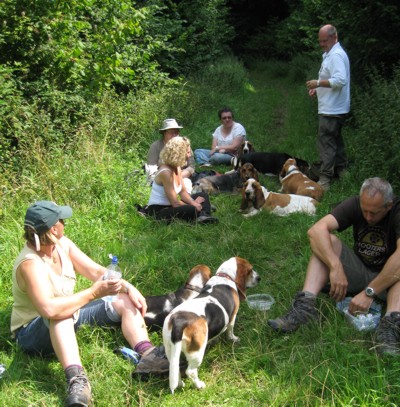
174	371
172	338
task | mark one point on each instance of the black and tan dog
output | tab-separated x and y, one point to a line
159	306
192	324
214	184
269	163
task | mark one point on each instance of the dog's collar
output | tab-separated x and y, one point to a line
192	287
225	275
292	170
230	278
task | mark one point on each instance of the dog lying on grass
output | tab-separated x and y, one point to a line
255	198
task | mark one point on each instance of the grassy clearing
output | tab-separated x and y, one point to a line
325	364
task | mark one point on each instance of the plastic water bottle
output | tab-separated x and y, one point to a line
113	273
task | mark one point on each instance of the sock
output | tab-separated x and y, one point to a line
307	294
72	371
142	346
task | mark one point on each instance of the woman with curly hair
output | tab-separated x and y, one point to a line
169	199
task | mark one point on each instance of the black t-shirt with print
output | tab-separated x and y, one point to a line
372	244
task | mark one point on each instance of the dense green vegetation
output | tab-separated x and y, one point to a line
83	88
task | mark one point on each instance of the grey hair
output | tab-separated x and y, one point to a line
376	185
331	30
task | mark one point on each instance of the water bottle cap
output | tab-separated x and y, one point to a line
114	260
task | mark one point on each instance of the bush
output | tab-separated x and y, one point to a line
375	138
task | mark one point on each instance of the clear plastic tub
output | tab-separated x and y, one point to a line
362	322
261	302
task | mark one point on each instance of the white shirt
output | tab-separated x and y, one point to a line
236	131
335	68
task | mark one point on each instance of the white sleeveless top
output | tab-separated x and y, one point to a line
158	195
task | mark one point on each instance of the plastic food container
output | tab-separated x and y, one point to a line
261	302
362	322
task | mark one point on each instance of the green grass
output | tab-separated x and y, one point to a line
324	364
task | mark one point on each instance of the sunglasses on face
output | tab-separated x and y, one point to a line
226	117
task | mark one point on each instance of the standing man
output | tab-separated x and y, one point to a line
371	269
333	91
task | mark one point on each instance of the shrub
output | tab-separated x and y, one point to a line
375	139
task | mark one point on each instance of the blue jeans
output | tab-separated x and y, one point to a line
202	156
35	337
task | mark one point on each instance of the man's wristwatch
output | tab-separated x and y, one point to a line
370	292
216	148
318	83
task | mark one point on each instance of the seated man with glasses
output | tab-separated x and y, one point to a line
226	141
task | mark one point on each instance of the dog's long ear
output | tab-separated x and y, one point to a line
255	174
244	205
259	195
241	276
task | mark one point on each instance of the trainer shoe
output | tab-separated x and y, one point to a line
79	392
387	334
205	165
207	219
303	311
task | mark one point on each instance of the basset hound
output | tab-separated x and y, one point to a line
159	306
248	171
295	182
192	324
246	147
268	163
256	197
214	184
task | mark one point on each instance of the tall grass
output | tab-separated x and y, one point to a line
324	364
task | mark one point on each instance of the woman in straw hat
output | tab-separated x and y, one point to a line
169	129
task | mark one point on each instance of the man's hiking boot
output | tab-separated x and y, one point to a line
303	311
387	334
79	392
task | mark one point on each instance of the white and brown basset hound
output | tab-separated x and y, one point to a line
295	182
246	147
255	198
159	306
192	324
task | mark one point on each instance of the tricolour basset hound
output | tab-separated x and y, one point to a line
192	324
255	198
295	182
159	306
268	163
248	171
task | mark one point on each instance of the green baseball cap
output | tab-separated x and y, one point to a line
42	215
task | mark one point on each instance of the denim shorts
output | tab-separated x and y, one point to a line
34	338
357	273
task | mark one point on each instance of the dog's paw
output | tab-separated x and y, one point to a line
200	385
234	338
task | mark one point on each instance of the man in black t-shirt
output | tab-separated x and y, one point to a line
370	270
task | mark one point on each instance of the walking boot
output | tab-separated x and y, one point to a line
387	335
79	391
324	182
303	311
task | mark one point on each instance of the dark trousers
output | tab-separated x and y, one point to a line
330	145
182	212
